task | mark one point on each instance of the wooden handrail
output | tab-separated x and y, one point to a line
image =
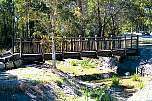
74	44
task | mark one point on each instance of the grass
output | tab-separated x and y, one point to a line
36	75
115	81
126	82
126	85
141	85
96	94
135	77
1	51
79	67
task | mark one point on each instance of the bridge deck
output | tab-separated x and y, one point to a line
77	55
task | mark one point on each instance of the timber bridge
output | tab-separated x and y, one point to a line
34	50
76	47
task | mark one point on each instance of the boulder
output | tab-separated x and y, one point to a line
18	63
2	66
10	65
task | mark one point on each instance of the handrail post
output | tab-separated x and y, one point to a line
96	43
104	43
80	43
120	44
13	44
66	47
20	47
62	44
111	43
131	40
62	47
71	45
125	45
137	41
88	44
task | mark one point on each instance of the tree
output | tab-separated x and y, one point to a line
7	21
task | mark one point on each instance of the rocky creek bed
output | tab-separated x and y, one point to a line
17	87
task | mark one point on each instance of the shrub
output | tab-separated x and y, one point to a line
136	77
141	85
100	94
59	83
74	62
87	64
115	81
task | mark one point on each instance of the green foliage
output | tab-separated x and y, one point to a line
141	85
115	81
37	35
46	43
72	18
98	94
2	51
136	77
6	18
74	62
88	63
59	82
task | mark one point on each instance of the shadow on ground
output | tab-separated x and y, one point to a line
12	89
95	76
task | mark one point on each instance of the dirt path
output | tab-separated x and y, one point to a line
144	94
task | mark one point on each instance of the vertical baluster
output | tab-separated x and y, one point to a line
96	43
71	45
125	45
66	44
74	44
131	41
137	42
20	47
80	43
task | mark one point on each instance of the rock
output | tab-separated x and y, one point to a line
18	63
10	65
108	62
12	77
2	66
106	75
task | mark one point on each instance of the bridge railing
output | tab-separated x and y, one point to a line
76	44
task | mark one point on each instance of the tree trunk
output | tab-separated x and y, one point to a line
103	27
99	19
81	27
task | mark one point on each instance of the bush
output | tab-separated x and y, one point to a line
74	62
100	94
59	83
141	85
115	81
136	77
87	64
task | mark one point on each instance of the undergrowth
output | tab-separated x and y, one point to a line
97	94
136	77
115	81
